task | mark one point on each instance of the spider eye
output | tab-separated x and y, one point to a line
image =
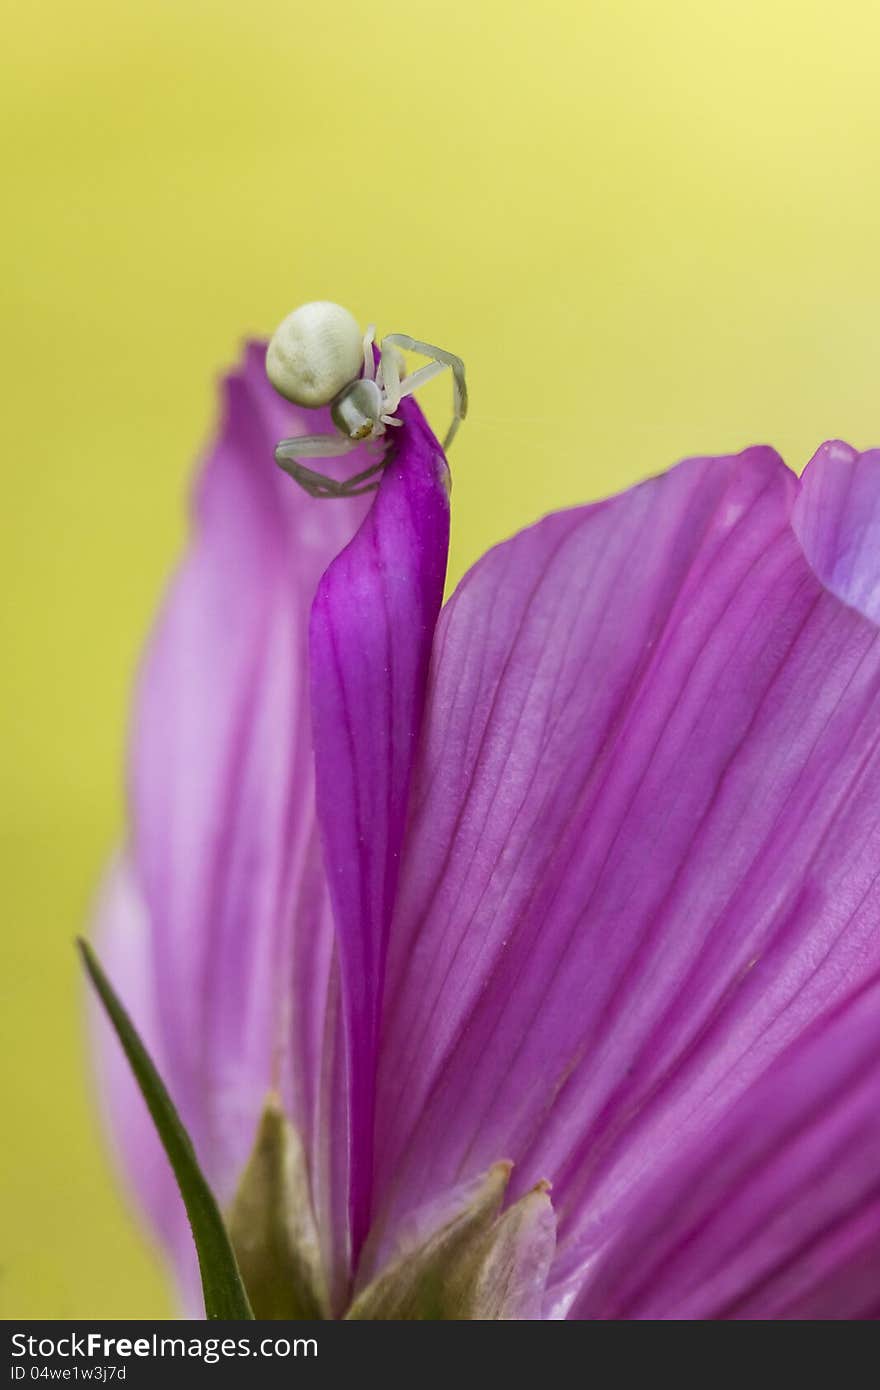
314	353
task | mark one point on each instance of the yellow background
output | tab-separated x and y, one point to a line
650	229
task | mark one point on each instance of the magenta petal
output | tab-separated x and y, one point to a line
837	517
225	847
643	846
371	633
775	1213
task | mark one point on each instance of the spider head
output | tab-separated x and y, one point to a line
357	410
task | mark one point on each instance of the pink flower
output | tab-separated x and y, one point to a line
582	876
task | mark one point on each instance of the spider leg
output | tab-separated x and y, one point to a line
369	362
290	453
444	359
418	378
395	388
391	365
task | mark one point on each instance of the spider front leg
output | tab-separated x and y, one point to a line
290	452
442	359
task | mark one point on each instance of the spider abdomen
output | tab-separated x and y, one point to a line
314	353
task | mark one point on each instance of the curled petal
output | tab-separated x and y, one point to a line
370	642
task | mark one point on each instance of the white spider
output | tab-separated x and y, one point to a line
317	357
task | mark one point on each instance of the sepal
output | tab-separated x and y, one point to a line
479	1264
273	1228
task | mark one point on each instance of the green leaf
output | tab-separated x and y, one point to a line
222	1286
